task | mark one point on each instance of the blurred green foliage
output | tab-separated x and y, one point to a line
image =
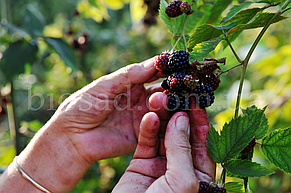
104	35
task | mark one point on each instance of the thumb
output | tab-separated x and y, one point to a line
180	171
126	77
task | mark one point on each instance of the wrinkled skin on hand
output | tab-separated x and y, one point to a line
166	160
102	119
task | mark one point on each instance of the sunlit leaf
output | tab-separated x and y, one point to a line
277	148
217	9
235	10
247	168
234	187
207	32
203	49
192	21
269	1
259	21
16	56
64	51
242	17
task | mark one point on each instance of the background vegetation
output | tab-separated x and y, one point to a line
68	44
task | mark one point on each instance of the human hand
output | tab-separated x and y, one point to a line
102	119
150	170
99	121
186	160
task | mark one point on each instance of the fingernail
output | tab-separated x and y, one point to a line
148	64
182	123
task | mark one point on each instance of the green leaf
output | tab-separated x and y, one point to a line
235	10
14	29
16	56
167	20
269	1
180	45
263	126
207	32
213	145
203	49
247	168
259	21
34	21
64	51
192	21
277	148
235	136
217	9
234	187
242	17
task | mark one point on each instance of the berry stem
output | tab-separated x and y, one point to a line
176	44
252	49
222	176
227	70
183	33
232	49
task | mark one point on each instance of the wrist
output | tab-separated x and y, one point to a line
51	160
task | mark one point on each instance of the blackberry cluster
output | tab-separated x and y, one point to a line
178	101
204	187
173	9
204	95
178	61
177	8
185	80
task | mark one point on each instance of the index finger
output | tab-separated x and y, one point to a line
204	166
126	77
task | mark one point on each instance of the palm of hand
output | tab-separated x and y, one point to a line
110	133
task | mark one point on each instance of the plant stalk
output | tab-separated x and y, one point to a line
245	64
12	122
252	49
183	33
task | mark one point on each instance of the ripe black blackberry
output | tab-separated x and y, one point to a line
217	190
178	102
175	81
210	80
250	146
173	9
203	187
178	61
161	63
204	96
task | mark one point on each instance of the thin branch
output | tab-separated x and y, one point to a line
176	44
183	33
227	70
232	49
